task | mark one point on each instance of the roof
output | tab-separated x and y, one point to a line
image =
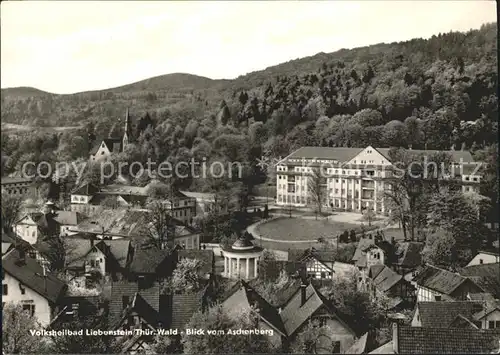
68	217
30	273
123	288
383	277
127	223
278	299
14	180
490	306
409	254
343	155
146	261
78	248
294	315
6	247
440	280
207	258
246	296
114	145
442	314
387	348
482	296
184	305
420	340
486	276
86	189
359	346
140	305
362	244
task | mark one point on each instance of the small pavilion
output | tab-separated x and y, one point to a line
241	259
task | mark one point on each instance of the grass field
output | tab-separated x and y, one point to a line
303	229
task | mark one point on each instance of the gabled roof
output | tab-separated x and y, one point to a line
440	280
294	315
442	314
147	261
79	248
142	307
409	254
70	218
420	340
362	244
150	295
184	305
360	346
280	298
489	307
481	296
246	297
462	322
30	273
34	216
383	277
86	189
486	276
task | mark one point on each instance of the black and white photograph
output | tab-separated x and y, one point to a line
251	177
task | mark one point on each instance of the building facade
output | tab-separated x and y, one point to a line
353	179
16	186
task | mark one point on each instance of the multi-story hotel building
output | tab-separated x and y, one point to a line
353	178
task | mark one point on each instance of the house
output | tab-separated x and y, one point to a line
308	304
89	199
371	252
27	282
245	298
150	265
106	257
109	146
443	314
356	177
485	257
78	307
279	299
184	305
134	308
436	284
136	225
486	276
384	281
408	257
36	225
16	185
321	264
420	340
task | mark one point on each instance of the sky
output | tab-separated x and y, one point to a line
73	46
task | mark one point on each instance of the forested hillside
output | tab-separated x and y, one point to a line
431	94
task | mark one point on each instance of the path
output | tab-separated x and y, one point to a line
252	229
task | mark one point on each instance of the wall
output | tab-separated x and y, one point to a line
416	322
28	231
340	333
427	295
42	308
99	259
486	259
189	242
493	316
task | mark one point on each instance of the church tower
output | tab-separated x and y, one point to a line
127	135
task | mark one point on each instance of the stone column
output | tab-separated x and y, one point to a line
238	267
225	266
255	269
375	185
247	275
382	185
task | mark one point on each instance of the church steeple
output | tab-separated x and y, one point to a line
127	135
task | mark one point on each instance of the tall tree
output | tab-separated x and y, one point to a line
160	228
16	326
316	189
11	209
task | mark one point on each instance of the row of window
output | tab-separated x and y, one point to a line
14	191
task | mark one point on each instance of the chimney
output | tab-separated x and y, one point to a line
409	146
395	340
303	294
22	256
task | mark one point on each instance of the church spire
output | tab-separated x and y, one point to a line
127	135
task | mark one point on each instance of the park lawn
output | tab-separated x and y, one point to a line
303	229
286	246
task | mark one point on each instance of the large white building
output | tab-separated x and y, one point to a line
354	178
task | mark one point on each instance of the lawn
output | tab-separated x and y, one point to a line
303	229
